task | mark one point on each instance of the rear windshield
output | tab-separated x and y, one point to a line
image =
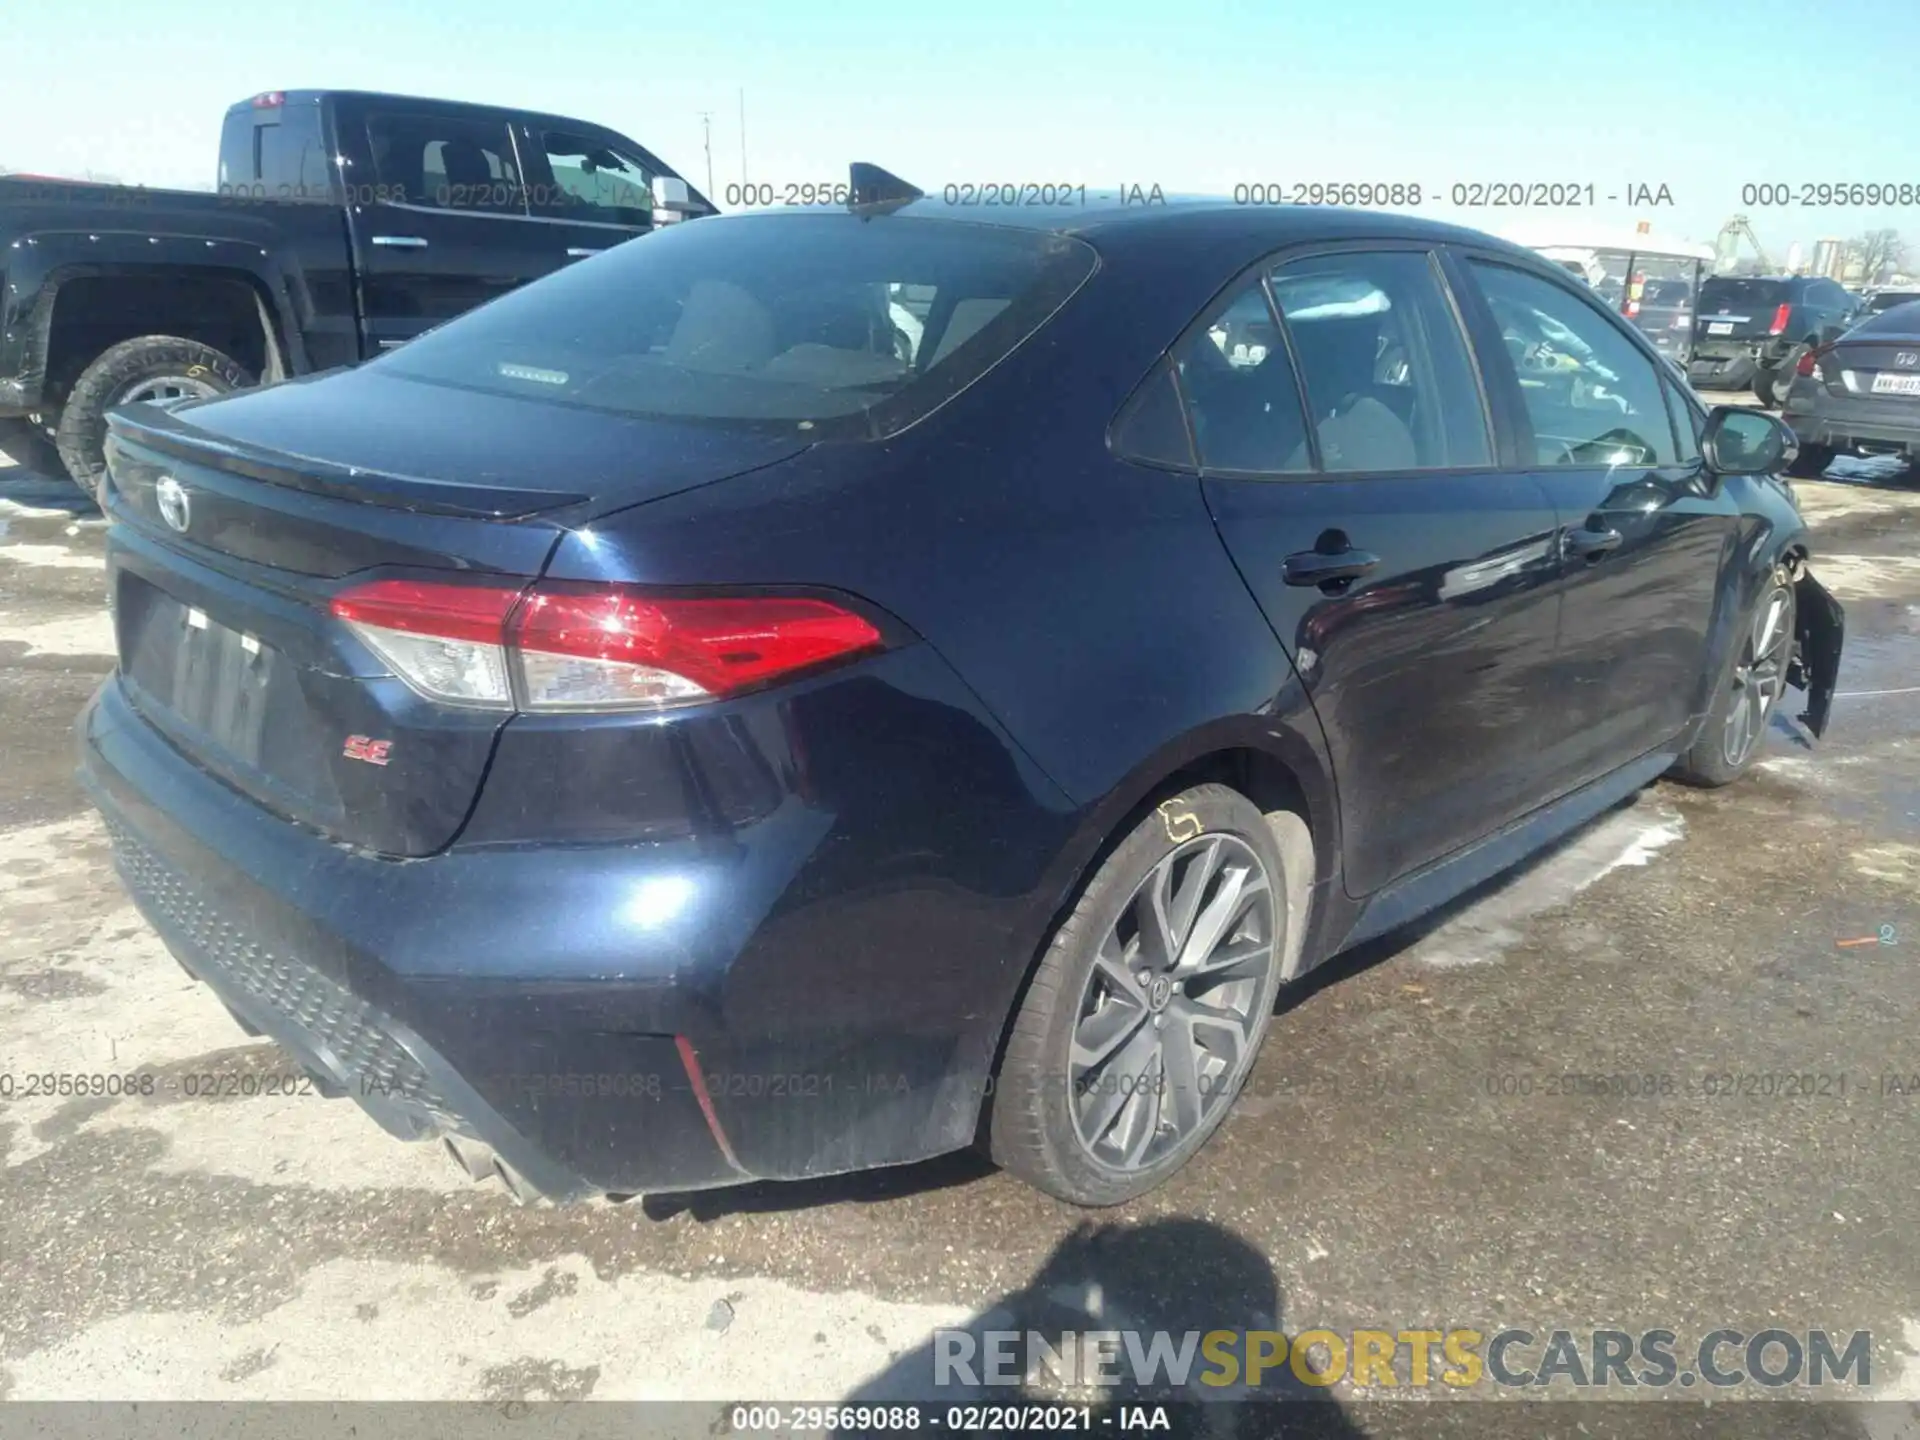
828	324
1887	299
1735	294
1902	319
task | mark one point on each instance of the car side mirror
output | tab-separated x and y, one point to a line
1742	441
671	199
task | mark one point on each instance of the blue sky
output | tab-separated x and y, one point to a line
1702	96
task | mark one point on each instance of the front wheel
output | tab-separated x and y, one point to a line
150	367
1144	1017
1735	730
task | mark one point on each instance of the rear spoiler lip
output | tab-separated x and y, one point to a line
154	428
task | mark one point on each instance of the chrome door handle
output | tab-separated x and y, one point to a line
400	242
1317	567
576	252
1591	543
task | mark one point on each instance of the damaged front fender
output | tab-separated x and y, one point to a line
1820	627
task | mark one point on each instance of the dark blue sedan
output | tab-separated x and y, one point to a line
808	691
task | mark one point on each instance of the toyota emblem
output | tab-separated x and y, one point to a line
171	496
1907	358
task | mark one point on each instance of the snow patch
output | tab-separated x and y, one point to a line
1490	927
88	634
51	557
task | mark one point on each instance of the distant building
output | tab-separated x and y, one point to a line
1829	256
1795	257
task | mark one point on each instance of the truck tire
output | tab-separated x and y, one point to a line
1770	387
149	367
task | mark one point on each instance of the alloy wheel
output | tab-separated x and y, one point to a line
1758	678
167	387
1171	1014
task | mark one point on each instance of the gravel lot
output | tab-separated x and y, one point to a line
1376	1174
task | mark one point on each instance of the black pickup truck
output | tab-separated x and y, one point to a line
343	223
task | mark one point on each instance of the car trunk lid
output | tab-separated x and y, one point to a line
227	551
1880	368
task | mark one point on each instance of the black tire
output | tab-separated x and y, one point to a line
81	435
1812	461
1032	1128
1710	761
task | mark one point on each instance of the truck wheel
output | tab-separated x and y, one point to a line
151	367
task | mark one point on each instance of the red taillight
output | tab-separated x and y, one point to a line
1780	319
425	607
720	645
564	646
448	642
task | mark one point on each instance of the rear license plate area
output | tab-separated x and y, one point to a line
217	680
1885	384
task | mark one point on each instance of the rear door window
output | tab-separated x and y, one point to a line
1240	390
1151	428
1389	379
1593	397
448	162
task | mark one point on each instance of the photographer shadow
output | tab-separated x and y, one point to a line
1179	1276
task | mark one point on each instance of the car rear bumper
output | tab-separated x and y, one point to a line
1732	364
1845	424
546	1007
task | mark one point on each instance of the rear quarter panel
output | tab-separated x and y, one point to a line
1088	603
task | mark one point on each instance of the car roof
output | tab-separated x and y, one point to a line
1190	219
381	97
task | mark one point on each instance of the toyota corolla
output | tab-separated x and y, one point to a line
682	724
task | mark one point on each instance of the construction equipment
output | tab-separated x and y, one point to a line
1726	247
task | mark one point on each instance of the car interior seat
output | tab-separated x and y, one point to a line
466	167
721	327
1357	416
1247	417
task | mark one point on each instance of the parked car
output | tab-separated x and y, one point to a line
674	727
1651	279
1878	300
1752	332
344	224
1860	393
